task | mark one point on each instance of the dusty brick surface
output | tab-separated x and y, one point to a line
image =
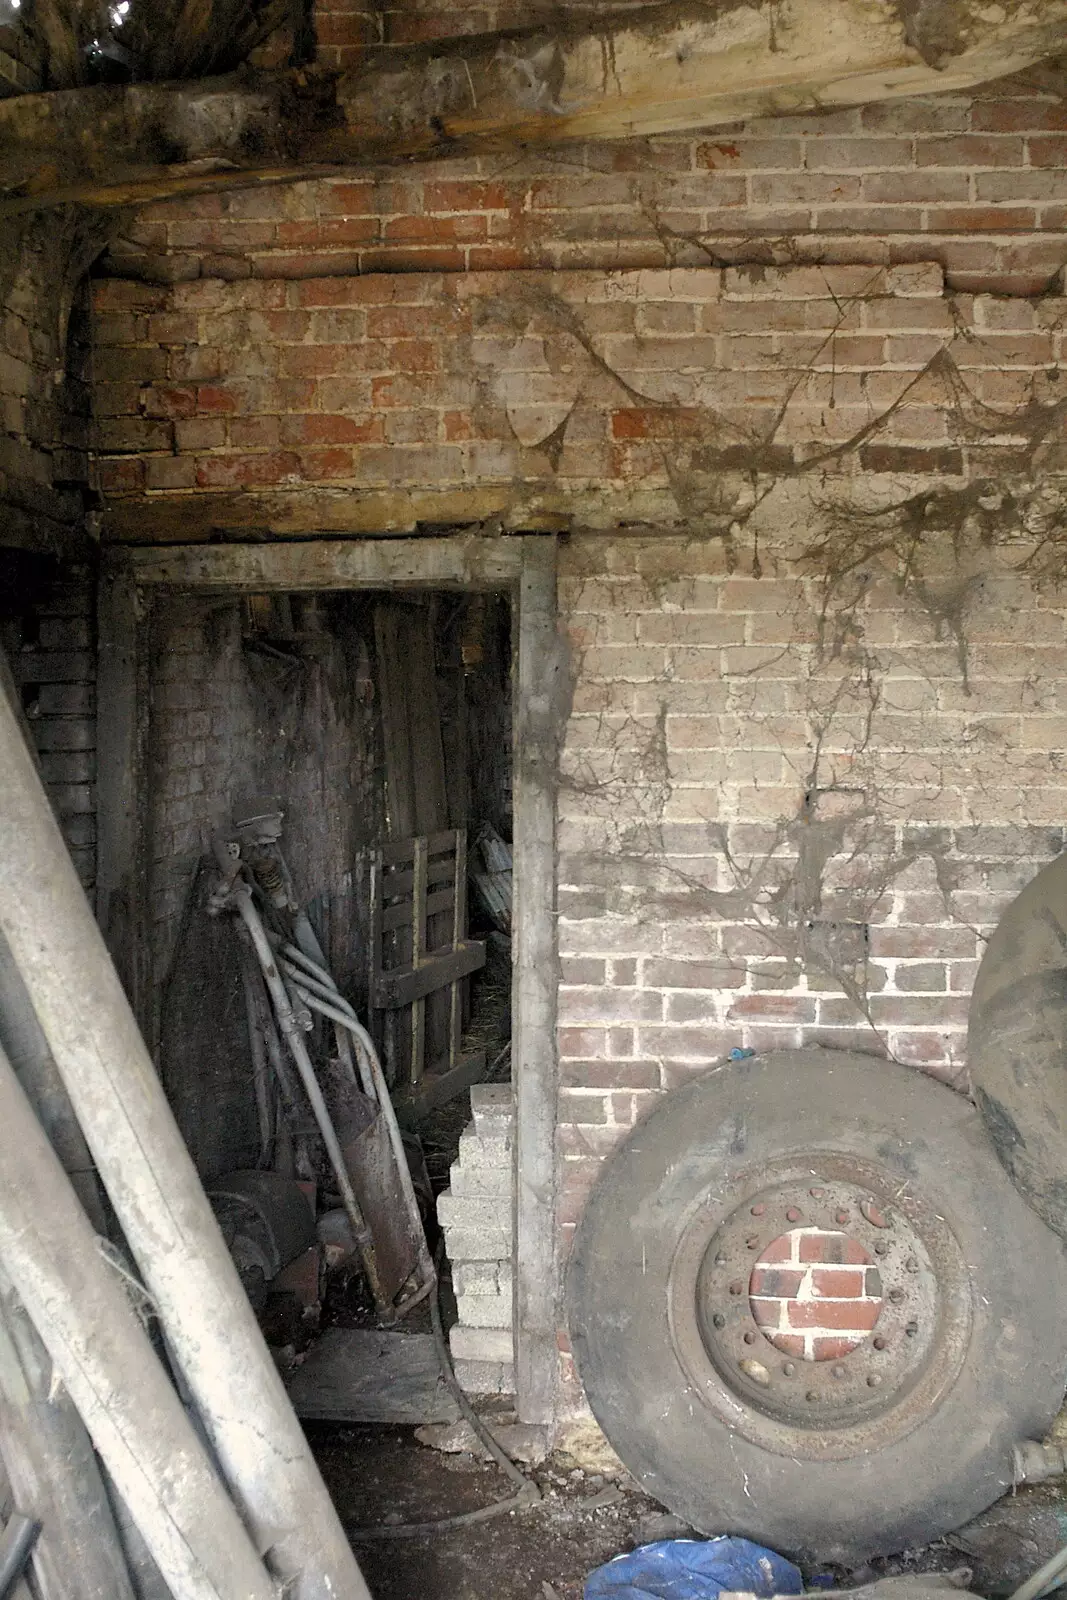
530	382
969	181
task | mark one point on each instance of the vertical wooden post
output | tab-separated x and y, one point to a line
418	948
536	735
459	933
121	798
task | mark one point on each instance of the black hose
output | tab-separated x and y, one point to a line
527	1494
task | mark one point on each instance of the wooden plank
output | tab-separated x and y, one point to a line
467	561
668	68
437	1088
418	945
440	869
403	848
400	986
361	1375
459	934
393	700
399	916
424	723
540	701
122	790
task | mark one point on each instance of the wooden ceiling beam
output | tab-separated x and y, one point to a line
662	69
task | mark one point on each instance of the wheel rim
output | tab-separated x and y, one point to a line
754	1376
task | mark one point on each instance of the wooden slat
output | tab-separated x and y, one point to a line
400	915
404	849
439	1087
401	987
398	882
459	930
393	697
418	946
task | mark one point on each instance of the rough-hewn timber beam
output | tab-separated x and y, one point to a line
661	69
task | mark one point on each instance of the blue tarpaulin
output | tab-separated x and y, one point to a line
693	1569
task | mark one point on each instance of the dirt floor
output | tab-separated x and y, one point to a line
383	1476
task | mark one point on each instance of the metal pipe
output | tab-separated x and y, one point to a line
158	1197
262	1081
290	1028
343	1015
104	1357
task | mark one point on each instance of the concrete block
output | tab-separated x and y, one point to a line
482	1277
466	1211
496	1182
475	1151
478	1244
493	1108
481	1344
484	1310
486	1377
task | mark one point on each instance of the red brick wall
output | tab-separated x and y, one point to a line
816	745
975	183
577	392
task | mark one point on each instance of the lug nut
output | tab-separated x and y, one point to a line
758	1209
718	1320
737	1287
873	1381
838	1371
896	1296
912	1329
720	1261
792	1215
881	1248
753	1241
911	1265
879	1343
789	1369
841	1216
816	1194
748	1336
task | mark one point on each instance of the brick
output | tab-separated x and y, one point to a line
837	1314
830	1248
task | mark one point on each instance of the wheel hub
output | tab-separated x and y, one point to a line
818	1307
786	1286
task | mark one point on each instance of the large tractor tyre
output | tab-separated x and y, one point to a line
1017	1042
808	1306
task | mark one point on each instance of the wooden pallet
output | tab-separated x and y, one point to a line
419	946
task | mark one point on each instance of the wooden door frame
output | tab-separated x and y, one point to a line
524	566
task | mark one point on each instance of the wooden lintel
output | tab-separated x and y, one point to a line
464	561
657	69
187	518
